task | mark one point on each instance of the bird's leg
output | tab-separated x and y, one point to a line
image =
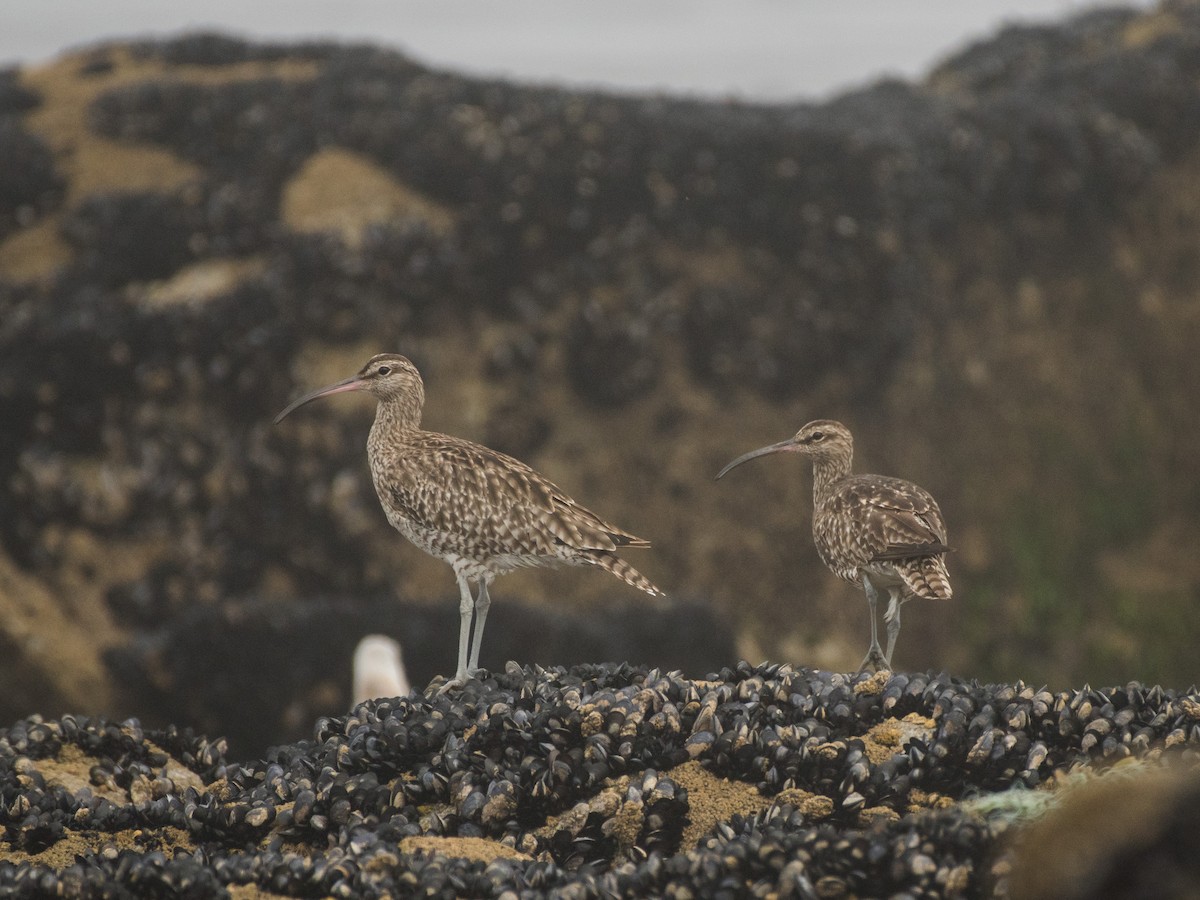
482	602
466	605
874	658
892	618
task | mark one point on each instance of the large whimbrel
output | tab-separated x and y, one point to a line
878	532
481	511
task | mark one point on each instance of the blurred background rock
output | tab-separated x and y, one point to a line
989	273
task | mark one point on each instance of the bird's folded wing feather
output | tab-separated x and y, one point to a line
459	484
895	519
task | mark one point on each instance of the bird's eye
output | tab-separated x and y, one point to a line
817	436
385	370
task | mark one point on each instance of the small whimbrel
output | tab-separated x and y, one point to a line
878	532
481	511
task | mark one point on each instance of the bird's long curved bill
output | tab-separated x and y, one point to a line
350	384
781	447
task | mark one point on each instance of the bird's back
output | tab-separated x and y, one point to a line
885	525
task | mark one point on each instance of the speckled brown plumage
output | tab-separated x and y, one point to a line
481	511
877	532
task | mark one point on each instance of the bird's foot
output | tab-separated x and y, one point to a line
450	684
875	661
459	680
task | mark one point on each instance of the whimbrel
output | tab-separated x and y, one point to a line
481	511
885	534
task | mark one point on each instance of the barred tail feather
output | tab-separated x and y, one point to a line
926	576
610	562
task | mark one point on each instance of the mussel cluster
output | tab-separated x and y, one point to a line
589	781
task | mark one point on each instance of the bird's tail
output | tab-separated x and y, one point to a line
610	562
926	576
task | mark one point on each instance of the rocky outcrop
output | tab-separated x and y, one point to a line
625	781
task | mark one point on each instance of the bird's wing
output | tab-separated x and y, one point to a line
589	531
455	484
894	519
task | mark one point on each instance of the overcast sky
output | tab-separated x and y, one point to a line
753	49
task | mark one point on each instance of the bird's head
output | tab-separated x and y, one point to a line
821	439
389	377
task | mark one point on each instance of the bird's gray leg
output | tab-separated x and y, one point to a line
466	605
892	618
874	658
482	602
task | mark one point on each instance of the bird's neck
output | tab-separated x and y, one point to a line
398	414
826	473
